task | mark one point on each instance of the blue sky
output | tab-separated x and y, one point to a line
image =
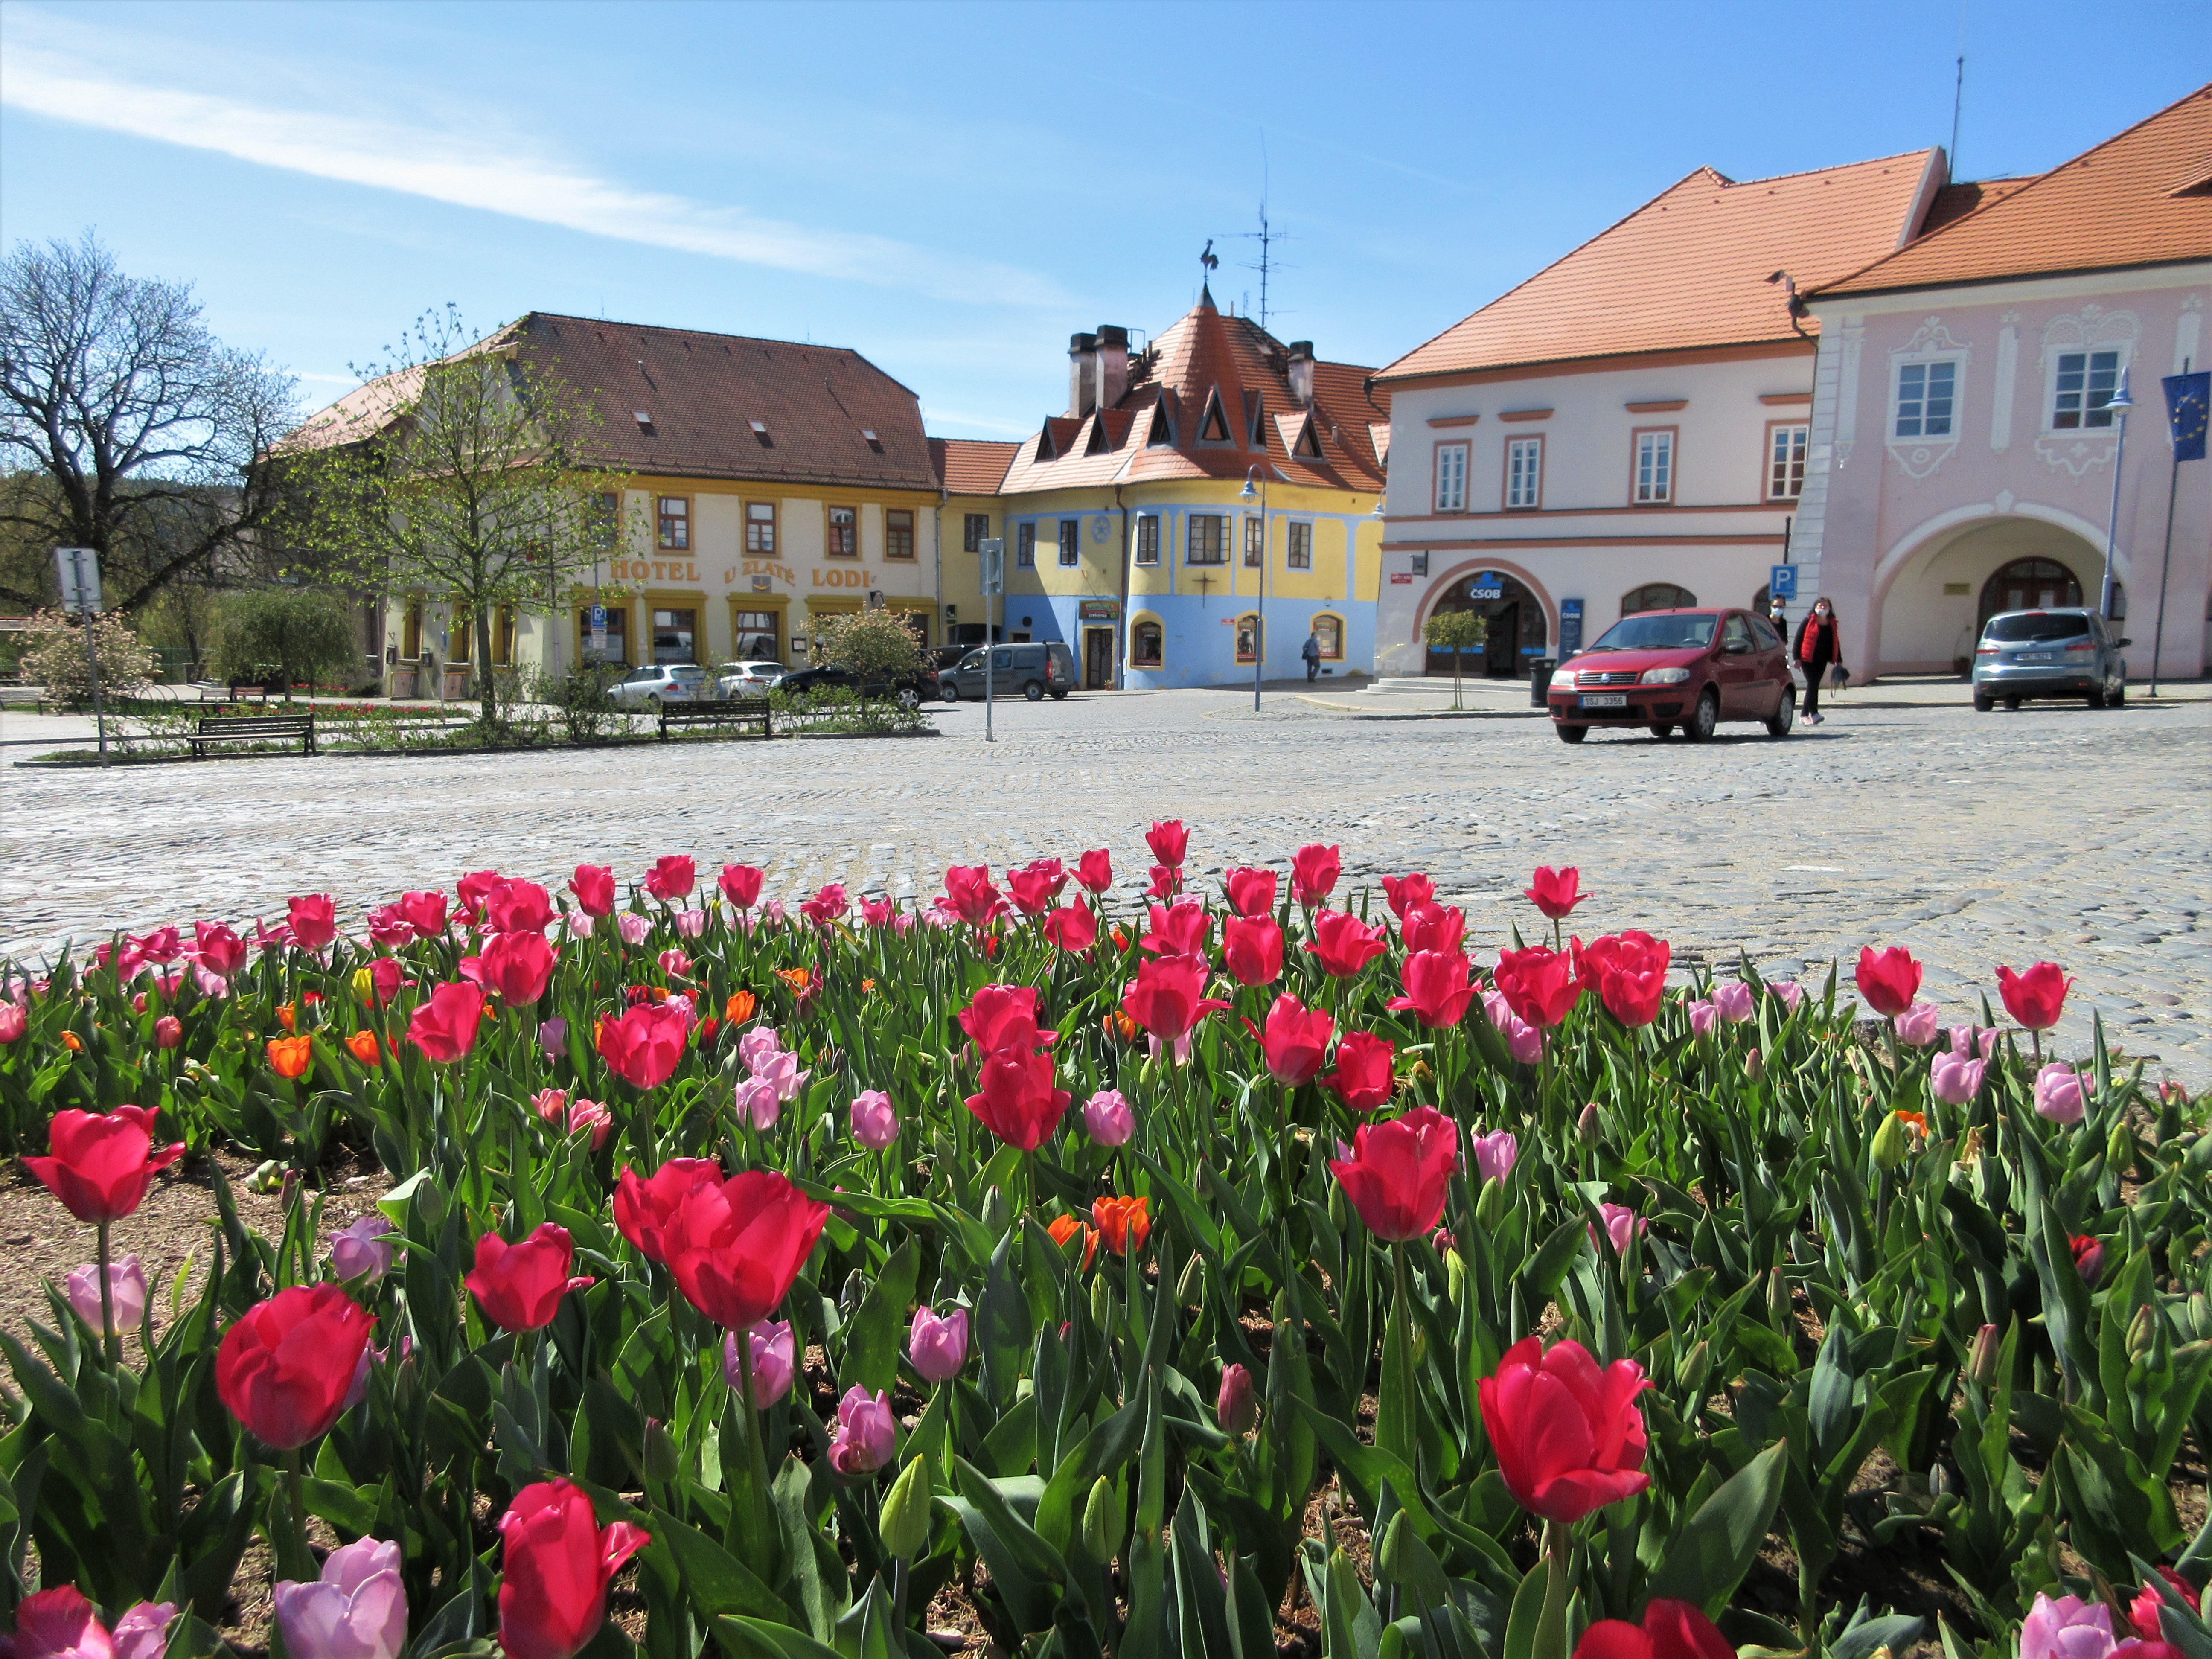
953	190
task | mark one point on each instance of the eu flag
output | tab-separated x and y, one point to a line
2187	397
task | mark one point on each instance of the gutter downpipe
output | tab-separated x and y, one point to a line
937	530
1122	622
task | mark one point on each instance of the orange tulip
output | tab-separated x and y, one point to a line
286	1015
73	1042
867	985
362	1045
797	978
739	1008
1914	1119
291	1056
1063	1229
1119	1025
1124	1222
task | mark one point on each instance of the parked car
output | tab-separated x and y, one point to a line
2048	654
1661	669
667	682
1034	669
945	657
747	679
921	686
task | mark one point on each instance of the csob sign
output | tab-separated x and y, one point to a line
1570	627
1487	586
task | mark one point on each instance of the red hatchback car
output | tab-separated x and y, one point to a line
1662	669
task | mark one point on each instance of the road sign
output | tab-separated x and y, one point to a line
79	570
1782	581
598	619
994	552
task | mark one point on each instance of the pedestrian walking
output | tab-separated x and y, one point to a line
1778	614
1816	646
1311	652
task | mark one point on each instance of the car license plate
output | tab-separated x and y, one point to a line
2037	656
1606	700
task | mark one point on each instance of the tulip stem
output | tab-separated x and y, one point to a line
1551	1641
110	1343
294	1543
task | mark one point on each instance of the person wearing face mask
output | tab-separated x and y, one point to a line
1814	648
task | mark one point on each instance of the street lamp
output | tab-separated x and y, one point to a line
1260	613
2123	403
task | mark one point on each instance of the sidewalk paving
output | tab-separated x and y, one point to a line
1486	699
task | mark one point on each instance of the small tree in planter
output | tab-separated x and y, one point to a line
303	634
53	656
1454	631
872	646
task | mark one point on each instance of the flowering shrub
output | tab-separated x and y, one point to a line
777	1270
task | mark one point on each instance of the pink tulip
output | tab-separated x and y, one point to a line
938	1347
690	924
1953	1078
2058	1093
551	1104
553	1038
1702	1015
875	1125
633	927
2067	1628
1918	1024
675	963
867	1434
360	1252
758	1046
1495	1154
168	1031
589	1115
356	1610
1789	990
1621	1225
756	1101
1108	1118
773	1357
780	1072
1965	1038
1524	1040
14	1020
126	1289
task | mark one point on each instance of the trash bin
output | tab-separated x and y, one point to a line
1539	679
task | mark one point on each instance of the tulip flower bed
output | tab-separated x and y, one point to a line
1235	1270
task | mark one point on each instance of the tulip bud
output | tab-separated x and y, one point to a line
664	1462
1236	1407
168	1031
1889	1143
1190	1289
1753	1068
1490	1206
1777	1298
1101	1521
2142	1332
903	1521
2119	1148
1588	1129
364	988
1102	1303
1697	1365
1982	1357
996	1213
1455	1276
2200	1314
2200	1155
1941	1481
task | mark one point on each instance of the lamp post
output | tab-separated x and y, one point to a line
1259	612
2123	403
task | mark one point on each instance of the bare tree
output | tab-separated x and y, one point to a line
461	470
125	426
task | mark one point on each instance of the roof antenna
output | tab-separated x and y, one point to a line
1959	90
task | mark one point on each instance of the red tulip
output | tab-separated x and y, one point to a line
593	884
1670	1630
1005	1016
671	877
520	1286
518	966
1539	985
970	895
519	907
1888	979
1399	1171
644	1208
1432	927
314	920
1036	885
445	1028
387	927
217	948
1016	1102
2034	998
1314	871
1631	972
741	884
1345	943
473	889
2147	1612
558	1562
828	905
736	1247
1169	841
160	947
1362	1079
1168	997
1167	882
1072	927
1178	930
1438	986
285	1367
1295	1041
1555	893
1095	870
1252	949
424	913
643	1046
1568	1436
386	977
1404	892
101	1163
1251	892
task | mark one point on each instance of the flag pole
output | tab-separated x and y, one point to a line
2165	567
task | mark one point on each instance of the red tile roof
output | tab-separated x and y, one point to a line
1688	269
704	392
1956	201
2137	199
971	466
1202	354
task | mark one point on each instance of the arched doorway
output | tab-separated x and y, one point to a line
1517	622
2035	584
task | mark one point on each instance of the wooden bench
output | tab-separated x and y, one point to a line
253	728
238	691
716	711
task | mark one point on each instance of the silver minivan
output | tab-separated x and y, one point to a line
1036	670
2069	653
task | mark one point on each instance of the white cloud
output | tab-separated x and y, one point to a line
978	423
52	72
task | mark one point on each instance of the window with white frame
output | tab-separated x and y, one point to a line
1655	467
1255	541
1209	540
1148	538
1451	477
1524	472
1927	394
1785	460
2082	387
1301	552
1025	548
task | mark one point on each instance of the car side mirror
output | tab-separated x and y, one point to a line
1736	647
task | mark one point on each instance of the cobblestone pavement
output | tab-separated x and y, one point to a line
2054	832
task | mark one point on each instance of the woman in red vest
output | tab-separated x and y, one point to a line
1816	647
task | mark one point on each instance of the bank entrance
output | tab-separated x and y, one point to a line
1517	622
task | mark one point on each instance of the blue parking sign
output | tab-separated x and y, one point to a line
598	619
1782	581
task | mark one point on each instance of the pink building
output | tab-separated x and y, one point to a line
1962	453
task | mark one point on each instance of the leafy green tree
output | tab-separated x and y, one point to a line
463	471
305	634
870	645
1456	631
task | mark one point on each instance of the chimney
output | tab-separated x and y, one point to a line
1301	373
1082	374
1113	364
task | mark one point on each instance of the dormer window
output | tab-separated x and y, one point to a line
1100	439
1255	411
1214	428
873	441
1162	436
1307	446
760	432
1046	449
644	417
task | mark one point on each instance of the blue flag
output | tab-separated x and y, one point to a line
2187	397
